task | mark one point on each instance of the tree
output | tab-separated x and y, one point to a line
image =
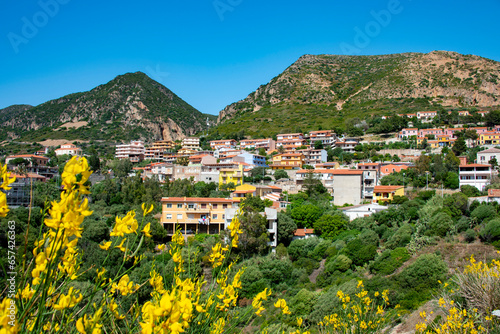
183	161
255	237
452	181
459	147
262	151
286	228
492	118
280	174
318	145
312	185
306	215
122	168
328	226
94	162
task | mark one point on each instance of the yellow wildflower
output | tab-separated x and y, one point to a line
106	245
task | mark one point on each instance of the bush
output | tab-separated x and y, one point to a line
425	272
320	250
302	247
389	261
470	191
470	235
482	213
308	264
401	238
440	224
341	263
359	252
491	231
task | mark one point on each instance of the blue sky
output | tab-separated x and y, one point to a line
215	52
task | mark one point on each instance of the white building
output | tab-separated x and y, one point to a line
134	151
485	156
192	143
272	223
68	149
362	210
476	175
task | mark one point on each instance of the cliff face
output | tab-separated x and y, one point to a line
443	78
131	106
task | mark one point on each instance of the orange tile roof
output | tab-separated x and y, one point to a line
475	165
493	192
27	156
29	175
302	232
369	164
196	199
386	189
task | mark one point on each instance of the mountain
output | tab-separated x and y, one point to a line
131	106
12	111
323	90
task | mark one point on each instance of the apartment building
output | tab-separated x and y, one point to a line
268	144
489	138
226	143
134	151
291	144
326	137
288	161
347	144
289	136
426	116
313	156
191	143
407	133
272	223
427	132
371	177
195	214
231	175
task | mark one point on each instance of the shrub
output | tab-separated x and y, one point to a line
491	231
426	271
302	247
359	252
401	238
341	263
440	224
389	261
319	251
482	213
308	264
470	235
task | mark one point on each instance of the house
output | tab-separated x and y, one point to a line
240	192
289	136
34	160
290	144
489	138
371	177
362	210
134	151
407	133
202	159
194	214
347	144
303	233
428	132
68	149
231	175
159	150
391	168
328	165
426	116
476	175
485	156
387	193
288	161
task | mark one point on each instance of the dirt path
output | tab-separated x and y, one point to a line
316	272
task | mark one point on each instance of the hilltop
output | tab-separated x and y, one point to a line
324	90
131	106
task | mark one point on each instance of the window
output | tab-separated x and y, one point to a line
191	205
169	216
223	216
224	206
179	216
215	206
179	206
214	216
169	205
204	206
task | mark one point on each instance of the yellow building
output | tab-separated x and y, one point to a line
387	193
194	214
234	175
489	138
288	161
241	191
